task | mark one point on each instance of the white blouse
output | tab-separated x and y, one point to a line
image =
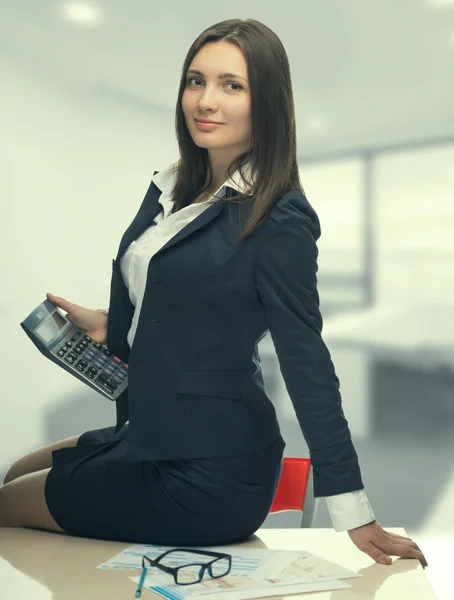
347	511
134	262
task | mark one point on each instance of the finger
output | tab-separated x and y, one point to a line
378	555
396	535
409	542
59	301
407	551
405	542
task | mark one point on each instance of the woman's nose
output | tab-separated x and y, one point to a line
208	99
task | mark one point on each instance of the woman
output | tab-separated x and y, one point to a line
223	248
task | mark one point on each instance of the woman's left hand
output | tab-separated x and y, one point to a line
380	544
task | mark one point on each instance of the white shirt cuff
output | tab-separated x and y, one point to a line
349	510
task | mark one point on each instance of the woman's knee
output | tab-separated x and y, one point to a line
11	474
23	503
37	460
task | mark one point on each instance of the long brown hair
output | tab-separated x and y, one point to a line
272	154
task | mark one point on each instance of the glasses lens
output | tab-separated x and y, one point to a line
189	574
220	567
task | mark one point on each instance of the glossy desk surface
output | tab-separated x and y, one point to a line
36	565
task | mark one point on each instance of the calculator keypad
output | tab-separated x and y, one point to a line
94	361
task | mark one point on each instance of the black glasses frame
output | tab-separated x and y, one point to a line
154	562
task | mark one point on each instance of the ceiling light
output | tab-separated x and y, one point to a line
441	3
85	14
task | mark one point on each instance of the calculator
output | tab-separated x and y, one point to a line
64	344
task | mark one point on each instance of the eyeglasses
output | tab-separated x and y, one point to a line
190	573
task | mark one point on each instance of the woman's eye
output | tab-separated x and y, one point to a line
238	86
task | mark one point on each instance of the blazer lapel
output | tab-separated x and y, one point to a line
193	226
144	218
149	211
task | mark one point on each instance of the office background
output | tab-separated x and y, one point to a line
88	94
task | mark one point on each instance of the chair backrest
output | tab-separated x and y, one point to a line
294	491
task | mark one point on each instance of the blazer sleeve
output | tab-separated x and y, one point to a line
286	280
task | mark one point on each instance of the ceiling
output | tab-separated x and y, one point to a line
364	74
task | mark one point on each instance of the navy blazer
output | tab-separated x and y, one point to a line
195	382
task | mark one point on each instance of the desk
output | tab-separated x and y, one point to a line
43	566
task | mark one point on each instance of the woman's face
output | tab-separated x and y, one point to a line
212	95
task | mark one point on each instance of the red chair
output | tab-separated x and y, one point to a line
295	490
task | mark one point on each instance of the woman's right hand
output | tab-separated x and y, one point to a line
91	322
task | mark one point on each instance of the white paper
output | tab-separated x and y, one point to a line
255	572
298	567
243	559
253	590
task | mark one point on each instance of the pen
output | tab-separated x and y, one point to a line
142	578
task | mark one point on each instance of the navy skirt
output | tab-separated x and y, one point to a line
93	490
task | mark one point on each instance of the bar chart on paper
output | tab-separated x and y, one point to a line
255	572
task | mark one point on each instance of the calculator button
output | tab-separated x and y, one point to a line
97	345
104	377
97	364
79	366
69	344
105	385
107	377
90	374
61	353
118	380
64	348
116	360
69	359
78	350
75	336
83	343
73	354
88	357
124	366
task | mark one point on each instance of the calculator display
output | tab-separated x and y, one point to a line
60	340
51	328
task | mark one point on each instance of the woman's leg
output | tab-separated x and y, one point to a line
23	503
37	460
